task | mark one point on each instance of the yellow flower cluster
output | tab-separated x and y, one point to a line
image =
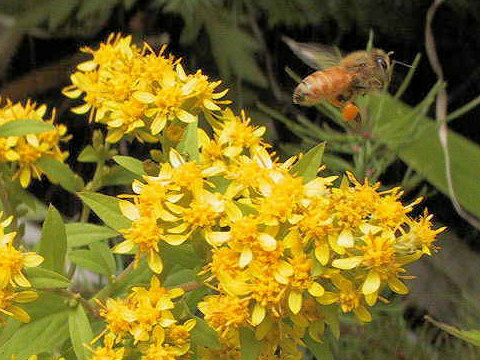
287	255
12	263
144	319
284	252
136	92
24	151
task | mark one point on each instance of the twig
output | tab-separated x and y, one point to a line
92	309
110	287
441	114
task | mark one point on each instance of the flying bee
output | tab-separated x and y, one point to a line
338	79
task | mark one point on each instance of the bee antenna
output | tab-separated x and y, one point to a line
401	63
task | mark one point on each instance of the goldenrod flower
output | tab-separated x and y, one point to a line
13	261
224	313
108	351
8	296
136	92
144	319
24	151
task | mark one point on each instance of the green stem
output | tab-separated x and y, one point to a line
111	286
93	185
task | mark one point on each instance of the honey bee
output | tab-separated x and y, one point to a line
339	79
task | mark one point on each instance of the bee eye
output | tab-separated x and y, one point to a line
382	63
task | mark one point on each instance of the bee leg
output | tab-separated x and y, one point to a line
350	112
337	102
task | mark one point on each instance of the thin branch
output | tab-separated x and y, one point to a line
441	114
92	309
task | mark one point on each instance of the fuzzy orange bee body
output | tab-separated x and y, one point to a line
340	79
323	85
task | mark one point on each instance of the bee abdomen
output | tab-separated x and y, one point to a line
321	85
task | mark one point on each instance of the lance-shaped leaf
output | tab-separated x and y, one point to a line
53	245
22	127
308	165
106	207
80	332
81	234
131	164
60	173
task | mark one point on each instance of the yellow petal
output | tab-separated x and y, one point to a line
26	296
158	124
328	298
245	257
210	105
217	238
322	252
87	66
371	283
345	239
129	210
144	97
123	247
316	290
258	314
177	239
178	229
347	263
363	314
11	155
397	286
185	116
25	177
175	158
371	299
155	262
19	313
82	109
31	259
21	280
114	136
295	301
267	242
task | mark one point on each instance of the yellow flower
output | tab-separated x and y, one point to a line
108	351
24	151
224	313
348	297
136	92
12	261
8	296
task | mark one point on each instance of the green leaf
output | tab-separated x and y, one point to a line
98	259
53	244
106	208
88	155
80	332
44	278
118	175
321	351
80	234
308	165
181	276
60	173
131	164
249	345
40	335
188	144
183	255
415	138
470	336
204	335
22	127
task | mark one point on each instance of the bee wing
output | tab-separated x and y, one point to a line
314	55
